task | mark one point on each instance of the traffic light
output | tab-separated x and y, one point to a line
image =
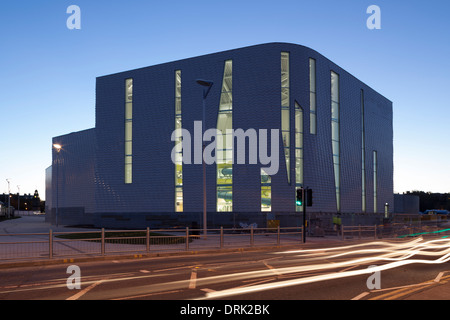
299	200
309	198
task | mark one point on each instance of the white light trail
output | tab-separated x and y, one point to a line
397	254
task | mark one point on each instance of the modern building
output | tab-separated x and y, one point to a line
298	120
406	204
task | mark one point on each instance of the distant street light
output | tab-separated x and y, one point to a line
18	199
206	88
9	195
58	148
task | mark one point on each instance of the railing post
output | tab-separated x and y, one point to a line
103	242
50	244
221	237
375	228
359	232
187	238
147	240
342	232
278	235
251	236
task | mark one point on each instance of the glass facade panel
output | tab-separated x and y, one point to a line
179	199
178	146
375	156
285	79
266	192
335	135
128	131
298	150
285	131
224	178
312	97
128	147
363	157
285	110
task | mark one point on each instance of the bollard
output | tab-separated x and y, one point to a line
278	235
221	237
147	241
103	242
187	238
303	234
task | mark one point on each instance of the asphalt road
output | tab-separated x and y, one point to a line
339	273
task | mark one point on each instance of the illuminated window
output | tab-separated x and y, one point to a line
335	135
128	131
298	150
224	178
375	164
266	192
285	128
178	146
363	157
312	97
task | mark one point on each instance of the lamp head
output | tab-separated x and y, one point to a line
205	83
57	147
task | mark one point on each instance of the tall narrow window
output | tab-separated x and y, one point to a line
363	157
312	97
375	164
298	150
285	103
335	140
178	146
225	151
266	191
128	131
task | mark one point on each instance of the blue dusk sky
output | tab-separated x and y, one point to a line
48	72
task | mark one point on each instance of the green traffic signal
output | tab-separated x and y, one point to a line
299	200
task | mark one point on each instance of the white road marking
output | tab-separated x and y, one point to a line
439	276
274	270
193	281
84	291
362	295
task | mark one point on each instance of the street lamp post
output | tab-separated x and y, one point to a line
9	195
58	148
206	88
18	200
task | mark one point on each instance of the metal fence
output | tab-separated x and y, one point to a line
112	242
413	228
49	245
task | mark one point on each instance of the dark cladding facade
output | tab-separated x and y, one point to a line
335	137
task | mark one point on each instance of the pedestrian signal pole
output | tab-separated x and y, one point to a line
304	199
305	192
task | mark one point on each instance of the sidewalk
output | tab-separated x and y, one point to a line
33	224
